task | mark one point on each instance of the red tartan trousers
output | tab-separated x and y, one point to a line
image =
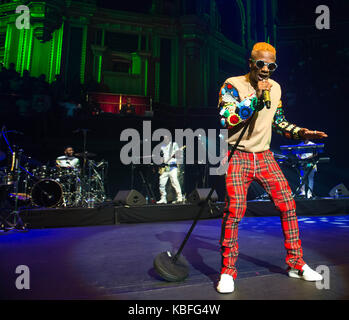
244	167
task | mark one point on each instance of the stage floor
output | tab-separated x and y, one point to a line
115	262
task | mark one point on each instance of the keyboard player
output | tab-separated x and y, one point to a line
308	185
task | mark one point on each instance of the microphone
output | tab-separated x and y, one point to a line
266	98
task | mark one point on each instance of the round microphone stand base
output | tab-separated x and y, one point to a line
170	268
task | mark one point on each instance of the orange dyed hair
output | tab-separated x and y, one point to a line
263	46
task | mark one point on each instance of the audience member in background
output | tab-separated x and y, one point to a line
70	107
128	108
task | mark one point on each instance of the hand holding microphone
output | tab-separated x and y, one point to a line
266	98
263	91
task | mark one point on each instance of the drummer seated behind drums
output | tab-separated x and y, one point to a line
68	160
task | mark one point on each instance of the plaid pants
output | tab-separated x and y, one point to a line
244	167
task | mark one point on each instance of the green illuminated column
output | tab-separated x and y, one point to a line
50	75
146	67
156	55
83	55
59	52
98	51
18	46
136	63
56	54
21	45
28	50
24	49
8	43
97	61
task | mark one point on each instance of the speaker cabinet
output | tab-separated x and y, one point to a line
342	191
200	195
130	198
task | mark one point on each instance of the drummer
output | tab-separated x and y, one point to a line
68	160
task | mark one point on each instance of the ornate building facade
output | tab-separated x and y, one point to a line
177	52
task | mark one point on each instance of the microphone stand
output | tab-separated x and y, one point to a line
18	171
174	267
87	184
17	222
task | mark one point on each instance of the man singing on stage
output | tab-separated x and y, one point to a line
253	160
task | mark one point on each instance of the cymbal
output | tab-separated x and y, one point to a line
85	154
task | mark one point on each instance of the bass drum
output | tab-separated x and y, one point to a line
47	193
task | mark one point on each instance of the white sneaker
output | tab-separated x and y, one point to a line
306	274
179	200
225	284
162	200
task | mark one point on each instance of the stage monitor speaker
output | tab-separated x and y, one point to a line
130	198
342	191
200	195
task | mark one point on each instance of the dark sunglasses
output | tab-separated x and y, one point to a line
260	64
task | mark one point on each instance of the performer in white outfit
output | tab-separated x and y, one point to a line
68	160
170	154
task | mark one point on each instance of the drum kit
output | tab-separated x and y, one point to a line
31	184
53	187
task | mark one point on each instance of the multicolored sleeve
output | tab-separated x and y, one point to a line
283	127
232	110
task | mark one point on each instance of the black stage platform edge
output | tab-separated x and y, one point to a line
255	208
110	215
165	212
68	217
306	207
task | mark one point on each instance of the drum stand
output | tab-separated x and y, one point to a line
148	187
97	191
14	221
88	195
86	181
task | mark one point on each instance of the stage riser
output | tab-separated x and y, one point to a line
79	217
72	217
